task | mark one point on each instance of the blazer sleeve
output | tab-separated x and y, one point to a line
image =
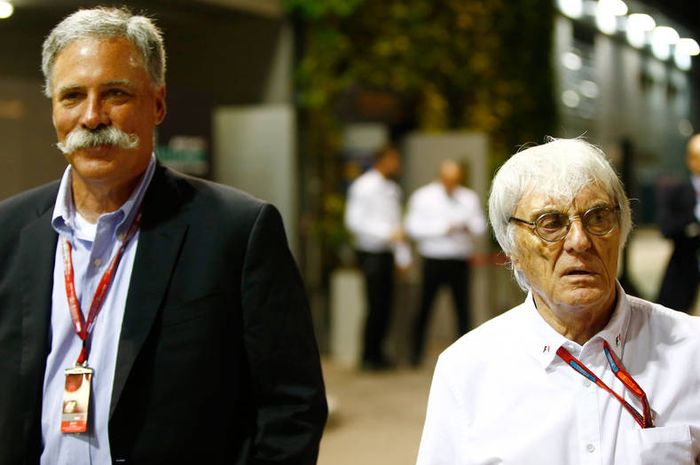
287	384
676	210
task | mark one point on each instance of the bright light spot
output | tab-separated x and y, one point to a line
570	98
612	7
682	60
641	21
666	34
6	9
661	40
589	89
605	20
571	8
571	61
685	127
638	25
688	46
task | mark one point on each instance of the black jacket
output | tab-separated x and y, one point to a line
217	360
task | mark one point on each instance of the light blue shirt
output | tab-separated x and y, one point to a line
94	245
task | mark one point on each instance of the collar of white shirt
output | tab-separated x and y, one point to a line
543	341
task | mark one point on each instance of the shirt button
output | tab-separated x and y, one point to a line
586	383
590	448
98	262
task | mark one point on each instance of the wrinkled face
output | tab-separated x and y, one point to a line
577	272
101	83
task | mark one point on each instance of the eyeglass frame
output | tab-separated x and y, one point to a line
569	219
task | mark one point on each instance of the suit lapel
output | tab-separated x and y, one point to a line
36	249
160	239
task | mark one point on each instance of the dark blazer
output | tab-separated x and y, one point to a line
217	360
676	219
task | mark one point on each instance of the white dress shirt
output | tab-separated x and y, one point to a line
501	395
444	225
373	211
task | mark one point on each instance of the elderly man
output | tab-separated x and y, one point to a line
580	372
444	217
145	317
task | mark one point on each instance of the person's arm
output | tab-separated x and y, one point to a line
676	216
287	385
443	428
475	222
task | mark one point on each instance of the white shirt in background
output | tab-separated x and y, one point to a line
373	211
432	212
501	395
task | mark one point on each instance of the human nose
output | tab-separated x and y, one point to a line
576	238
94	114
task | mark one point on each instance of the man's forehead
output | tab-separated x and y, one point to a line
91	47
538	199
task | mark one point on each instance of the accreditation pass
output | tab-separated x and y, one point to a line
76	400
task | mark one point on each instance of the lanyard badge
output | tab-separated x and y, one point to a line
76	400
644	419
76	392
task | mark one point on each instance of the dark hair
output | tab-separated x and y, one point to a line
384	151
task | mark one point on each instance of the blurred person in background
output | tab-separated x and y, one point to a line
444	218
179	295
679	221
580	372
373	216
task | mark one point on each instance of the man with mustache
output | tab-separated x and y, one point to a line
177	297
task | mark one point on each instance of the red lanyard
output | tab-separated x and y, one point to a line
644	420
82	328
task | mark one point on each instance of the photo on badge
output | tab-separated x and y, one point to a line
76	400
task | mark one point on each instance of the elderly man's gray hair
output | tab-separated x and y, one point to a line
105	22
560	168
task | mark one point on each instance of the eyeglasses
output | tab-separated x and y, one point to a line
554	226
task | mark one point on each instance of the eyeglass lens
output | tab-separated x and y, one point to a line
597	221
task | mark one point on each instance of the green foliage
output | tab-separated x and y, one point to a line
316	9
475	64
456	64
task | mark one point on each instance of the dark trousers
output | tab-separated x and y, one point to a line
679	285
378	269
436	273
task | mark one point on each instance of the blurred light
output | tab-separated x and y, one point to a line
570	98
682	60
661	40
641	21
606	21
638	25
571	8
612	7
685	128
571	61
589	89
684	49
6	9
688	46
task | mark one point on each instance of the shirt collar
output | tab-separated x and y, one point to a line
63	218
695	180
543	341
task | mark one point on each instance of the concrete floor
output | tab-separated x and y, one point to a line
377	419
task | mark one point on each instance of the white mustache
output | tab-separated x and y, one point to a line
81	138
